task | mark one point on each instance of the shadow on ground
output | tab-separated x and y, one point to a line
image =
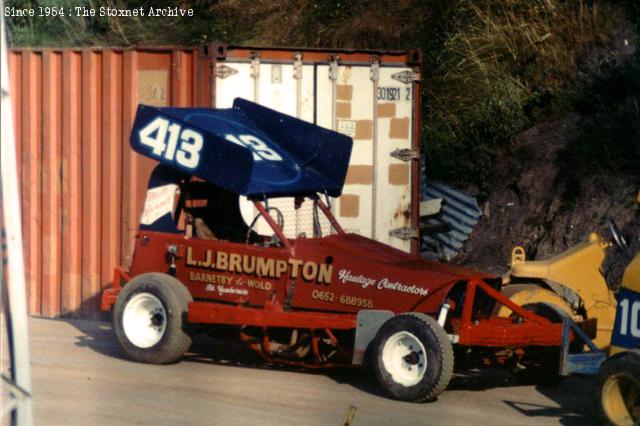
97	336
573	395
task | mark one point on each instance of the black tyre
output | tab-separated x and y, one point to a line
412	358
541	365
150	318
618	390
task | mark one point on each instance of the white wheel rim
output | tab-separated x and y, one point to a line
404	358
144	320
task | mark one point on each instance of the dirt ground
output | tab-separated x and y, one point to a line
80	376
544	209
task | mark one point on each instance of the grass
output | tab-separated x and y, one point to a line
510	65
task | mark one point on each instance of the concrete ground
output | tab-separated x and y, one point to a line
80	377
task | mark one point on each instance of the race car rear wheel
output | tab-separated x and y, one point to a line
618	390
412	358
150	318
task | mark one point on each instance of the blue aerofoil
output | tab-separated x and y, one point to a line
247	149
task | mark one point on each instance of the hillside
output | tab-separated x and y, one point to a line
540	206
531	105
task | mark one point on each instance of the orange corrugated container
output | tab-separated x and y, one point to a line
82	187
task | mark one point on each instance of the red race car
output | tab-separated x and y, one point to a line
321	298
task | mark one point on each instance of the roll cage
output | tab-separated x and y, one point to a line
187	204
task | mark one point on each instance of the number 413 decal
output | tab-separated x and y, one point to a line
171	141
183	145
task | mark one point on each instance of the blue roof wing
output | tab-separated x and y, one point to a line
248	149
168	135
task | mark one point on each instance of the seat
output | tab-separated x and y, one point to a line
202	229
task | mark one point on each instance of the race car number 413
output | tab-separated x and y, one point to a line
173	142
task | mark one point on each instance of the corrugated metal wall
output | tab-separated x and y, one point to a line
82	188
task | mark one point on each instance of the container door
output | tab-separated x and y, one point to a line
365	102
233	80
393	183
287	88
345	104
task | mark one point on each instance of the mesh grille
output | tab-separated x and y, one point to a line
300	221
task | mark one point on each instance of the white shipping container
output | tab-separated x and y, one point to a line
372	96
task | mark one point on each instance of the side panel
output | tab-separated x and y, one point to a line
626	331
217	270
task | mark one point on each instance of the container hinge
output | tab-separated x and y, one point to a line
405	233
405	154
374	72
276	74
224	71
407	77
255	67
333	70
297	67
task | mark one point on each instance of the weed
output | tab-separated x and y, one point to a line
509	64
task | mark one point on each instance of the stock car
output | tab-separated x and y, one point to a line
318	299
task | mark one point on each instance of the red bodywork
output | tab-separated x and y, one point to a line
320	284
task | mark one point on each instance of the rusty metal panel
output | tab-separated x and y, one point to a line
90	184
111	188
15	80
51	183
71	294
31	111
82	187
130	63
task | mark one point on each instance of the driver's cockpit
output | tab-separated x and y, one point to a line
178	203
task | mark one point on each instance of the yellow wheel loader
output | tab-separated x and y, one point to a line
571	287
570	284
617	395
619	376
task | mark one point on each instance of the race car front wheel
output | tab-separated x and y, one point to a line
413	358
150	317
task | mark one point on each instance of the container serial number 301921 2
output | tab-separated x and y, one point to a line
394	94
328	296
